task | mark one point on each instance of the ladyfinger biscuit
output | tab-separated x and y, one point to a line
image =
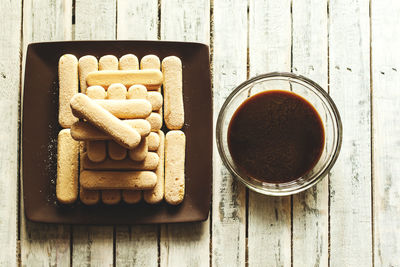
96	92
139	153
150	62
173	100
156	194
152	79
175	142
155	121
116	91
155	99
67	168
68	86
131	196
96	151
111	196
84	131
100	180
153	140
126	109
137	91
128	62
148	164
89	197
108	62
83	107
86	65
115	151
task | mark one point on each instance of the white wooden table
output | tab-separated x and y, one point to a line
350	47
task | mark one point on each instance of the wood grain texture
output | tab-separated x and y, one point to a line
10	42
185	20
350	180
386	135
93	245
45	244
137	245
269	222
229	61
310	58
95	20
137	20
189	22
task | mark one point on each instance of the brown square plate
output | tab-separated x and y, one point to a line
40	130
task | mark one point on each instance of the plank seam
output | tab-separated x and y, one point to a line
371	135
159	20
291	69
329	174
212	84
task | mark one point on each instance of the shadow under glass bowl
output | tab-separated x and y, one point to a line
303	87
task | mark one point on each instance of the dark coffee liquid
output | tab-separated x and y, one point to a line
275	136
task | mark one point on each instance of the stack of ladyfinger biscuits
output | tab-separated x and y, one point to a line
112	114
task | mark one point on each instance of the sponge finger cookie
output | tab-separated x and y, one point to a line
148	164
129	62
68	86
86	65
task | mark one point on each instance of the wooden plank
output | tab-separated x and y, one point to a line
45	244
185	21
95	20
10	41
137	245
229	68
269	220
310	208
386	131
93	245
137	20
350	180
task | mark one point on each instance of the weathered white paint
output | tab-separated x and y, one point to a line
44	244
310	58
350	181
269	50
95	20
137	20
93	245
386	135
189	22
137	245
10	41
229	61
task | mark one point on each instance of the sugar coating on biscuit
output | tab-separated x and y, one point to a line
150	62
68	87
173	96
137	91
96	151
116	91
155	99
129	62
108	62
156	194
148	164
155	121
126	109
101	180
67	168
139	153
86	65
96	92
175	142
131	196
111	197
151	78
153	141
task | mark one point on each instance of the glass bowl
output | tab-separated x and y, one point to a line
307	89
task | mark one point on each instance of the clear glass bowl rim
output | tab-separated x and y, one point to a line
289	76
